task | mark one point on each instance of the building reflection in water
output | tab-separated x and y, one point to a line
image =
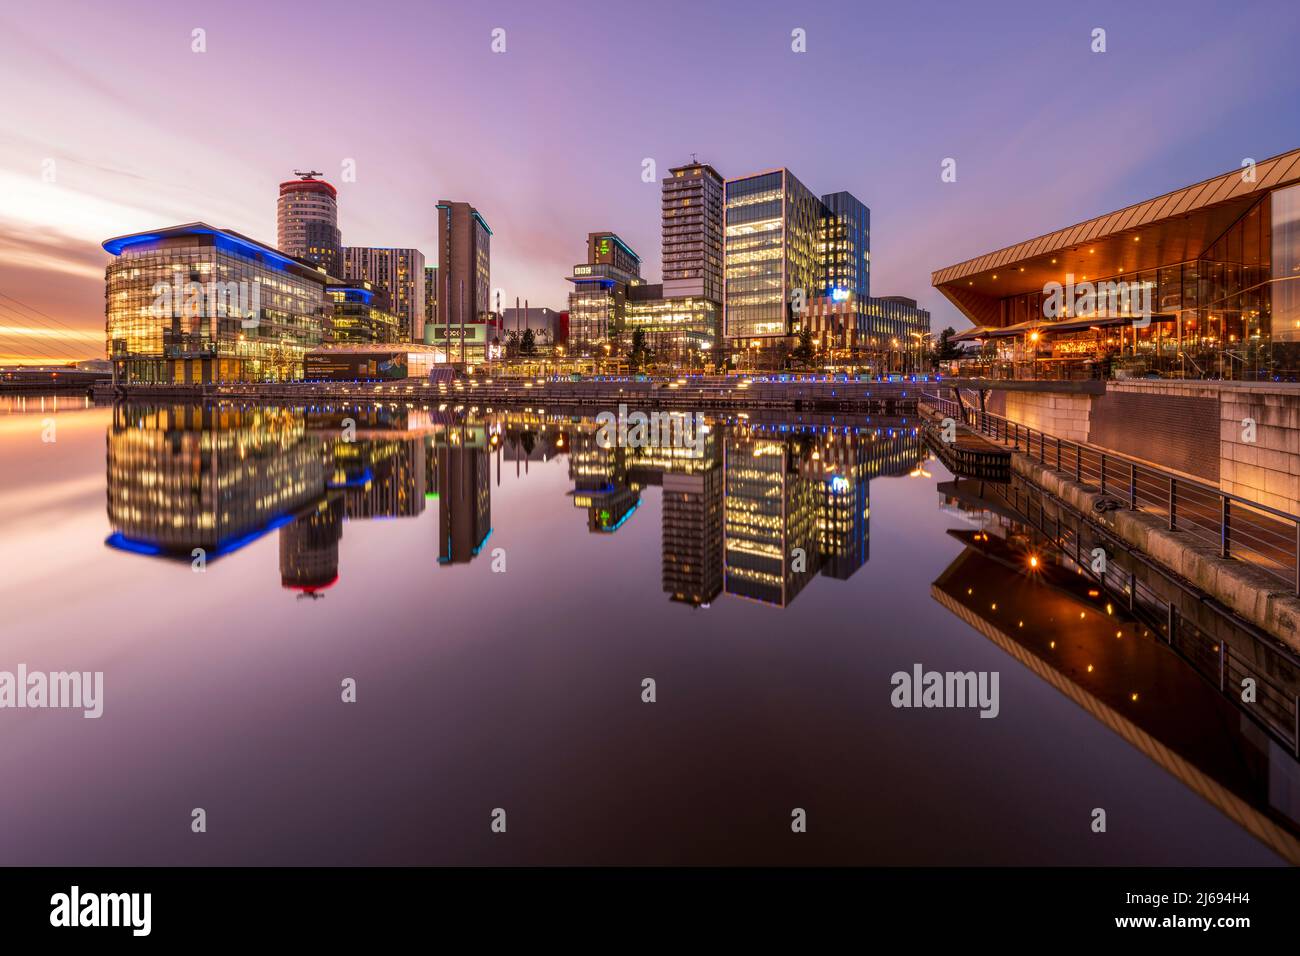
309	548
753	510
1015	587
182	478
464	483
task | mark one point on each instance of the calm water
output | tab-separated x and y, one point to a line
499	585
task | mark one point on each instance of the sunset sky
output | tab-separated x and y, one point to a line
547	139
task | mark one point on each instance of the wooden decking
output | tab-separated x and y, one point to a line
971	455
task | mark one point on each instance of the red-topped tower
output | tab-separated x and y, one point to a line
307	221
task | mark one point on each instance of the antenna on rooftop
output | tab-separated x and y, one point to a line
694	161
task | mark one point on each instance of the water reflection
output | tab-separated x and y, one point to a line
754	509
1017	583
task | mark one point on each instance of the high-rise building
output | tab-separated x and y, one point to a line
401	273
771	262
463	312
307	222
430	296
194	304
844	246
795	263
693	232
598	302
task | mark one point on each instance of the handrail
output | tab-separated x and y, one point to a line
1264	536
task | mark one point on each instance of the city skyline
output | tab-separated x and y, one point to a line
125	154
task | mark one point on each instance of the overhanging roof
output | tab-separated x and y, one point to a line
1172	228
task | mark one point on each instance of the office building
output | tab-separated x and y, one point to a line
463	311
193	304
693	233
401	273
771	258
598	302
307	222
430	298
797	263
361	314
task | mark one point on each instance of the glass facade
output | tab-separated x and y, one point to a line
844	245
755	303
358	316
601	288
178	308
1233	312
787	251
683	331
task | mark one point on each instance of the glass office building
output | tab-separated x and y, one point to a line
771	251
598	302
194	304
361	314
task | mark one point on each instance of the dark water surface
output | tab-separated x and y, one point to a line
521	688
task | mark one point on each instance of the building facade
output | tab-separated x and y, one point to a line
193	304
463	309
693	232
307	222
598	302
401	273
361	314
1202	282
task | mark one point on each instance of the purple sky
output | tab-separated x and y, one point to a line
547	139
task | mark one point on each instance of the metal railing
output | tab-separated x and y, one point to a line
1224	663
1264	537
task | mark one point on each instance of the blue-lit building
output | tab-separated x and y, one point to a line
195	304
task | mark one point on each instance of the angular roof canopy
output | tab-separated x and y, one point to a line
1172	228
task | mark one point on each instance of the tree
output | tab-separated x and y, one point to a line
512	344
803	352
528	343
947	348
639	351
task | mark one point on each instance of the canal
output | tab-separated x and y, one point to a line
642	655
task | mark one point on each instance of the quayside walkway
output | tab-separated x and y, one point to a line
888	397
1242	553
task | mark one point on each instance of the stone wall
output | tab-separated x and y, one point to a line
1193	428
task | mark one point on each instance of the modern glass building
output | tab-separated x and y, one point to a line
796	263
361	314
598	302
1210	288
844	246
193	304
682	330
772	226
